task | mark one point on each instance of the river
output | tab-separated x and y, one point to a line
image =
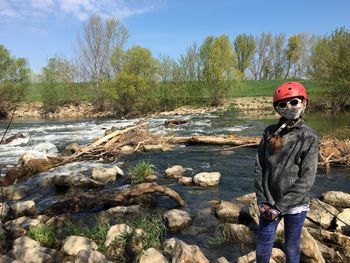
44	137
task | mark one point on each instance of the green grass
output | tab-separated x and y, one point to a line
140	171
224	237
154	228
258	88
43	234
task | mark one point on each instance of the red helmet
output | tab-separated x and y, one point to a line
289	89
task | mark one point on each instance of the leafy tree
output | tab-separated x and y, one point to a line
219	62
14	78
136	82
330	66
59	83
260	64
244	47
99	41
297	56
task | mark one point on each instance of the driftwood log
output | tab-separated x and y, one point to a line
127	196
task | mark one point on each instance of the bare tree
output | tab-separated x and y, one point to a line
95	47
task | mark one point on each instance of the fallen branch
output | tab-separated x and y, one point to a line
127	196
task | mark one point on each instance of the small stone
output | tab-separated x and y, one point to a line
175	171
152	255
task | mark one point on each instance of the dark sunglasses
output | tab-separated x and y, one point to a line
293	102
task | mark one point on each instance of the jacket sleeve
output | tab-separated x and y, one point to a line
259	172
307	175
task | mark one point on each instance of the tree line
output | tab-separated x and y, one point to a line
132	80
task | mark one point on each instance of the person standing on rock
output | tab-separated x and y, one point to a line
285	170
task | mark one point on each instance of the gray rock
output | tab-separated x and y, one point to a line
228	211
8	259
184	180
310	252
343	222
29	250
115	232
90	256
321	213
15	192
241	233
73	244
276	257
175	171
176	219
206	179
222	260
182	252
21	222
336	198
152	255
24	208
58	222
106	175
71	149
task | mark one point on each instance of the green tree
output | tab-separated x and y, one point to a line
244	47
59	83
330	66
219	63
100	40
14	78
298	57
135	84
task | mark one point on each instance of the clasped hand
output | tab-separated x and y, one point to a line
268	213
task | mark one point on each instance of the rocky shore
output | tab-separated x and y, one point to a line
86	110
325	236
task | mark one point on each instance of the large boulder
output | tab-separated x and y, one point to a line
115	232
241	233
207	179
106	175
15	192
228	211
152	255
340	241
343	222
90	256
321	213
175	171
29	250
182	252
310	252
73	244
177	220
336	198
20	223
24	208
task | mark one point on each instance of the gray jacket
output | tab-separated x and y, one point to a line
283	179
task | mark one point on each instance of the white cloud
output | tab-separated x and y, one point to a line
80	9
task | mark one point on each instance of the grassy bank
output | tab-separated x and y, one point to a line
246	88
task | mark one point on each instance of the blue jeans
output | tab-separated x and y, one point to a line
293	224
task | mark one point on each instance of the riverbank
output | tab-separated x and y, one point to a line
28	110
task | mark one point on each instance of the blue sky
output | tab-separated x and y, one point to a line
39	29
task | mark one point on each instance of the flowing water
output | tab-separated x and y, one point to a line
44	137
